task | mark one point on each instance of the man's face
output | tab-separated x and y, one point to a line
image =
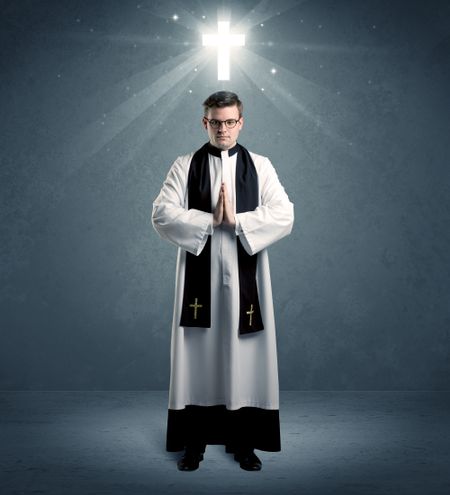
222	137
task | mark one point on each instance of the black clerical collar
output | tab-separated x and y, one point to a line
218	152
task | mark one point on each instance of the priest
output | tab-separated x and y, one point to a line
223	206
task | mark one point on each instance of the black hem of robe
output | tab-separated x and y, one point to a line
250	427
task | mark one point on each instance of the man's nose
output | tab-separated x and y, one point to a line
222	124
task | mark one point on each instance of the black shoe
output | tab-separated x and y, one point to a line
190	461
248	460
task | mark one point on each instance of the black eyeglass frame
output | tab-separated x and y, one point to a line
218	123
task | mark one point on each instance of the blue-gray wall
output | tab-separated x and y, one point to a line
356	120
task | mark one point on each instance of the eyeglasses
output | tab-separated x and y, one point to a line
229	123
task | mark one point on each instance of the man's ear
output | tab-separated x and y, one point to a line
205	123
242	122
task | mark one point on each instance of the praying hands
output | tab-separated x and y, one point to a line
224	211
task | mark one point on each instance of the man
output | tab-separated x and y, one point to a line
223	206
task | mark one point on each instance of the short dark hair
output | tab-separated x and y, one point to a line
222	99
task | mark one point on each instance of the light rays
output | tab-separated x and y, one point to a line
265	10
120	39
294	96
297	98
162	108
325	48
141	80
173	12
99	133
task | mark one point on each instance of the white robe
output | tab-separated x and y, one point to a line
211	366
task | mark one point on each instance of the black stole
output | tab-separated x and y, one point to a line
196	308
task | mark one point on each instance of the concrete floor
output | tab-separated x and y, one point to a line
332	443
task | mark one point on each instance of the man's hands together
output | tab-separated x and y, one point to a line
223	214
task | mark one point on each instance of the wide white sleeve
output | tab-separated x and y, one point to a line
272	219
187	229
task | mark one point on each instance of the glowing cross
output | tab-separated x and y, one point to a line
223	40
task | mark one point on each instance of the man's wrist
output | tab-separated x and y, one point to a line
237	225
214	223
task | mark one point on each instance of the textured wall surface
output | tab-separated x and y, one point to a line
350	101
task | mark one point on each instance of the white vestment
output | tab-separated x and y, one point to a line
216	365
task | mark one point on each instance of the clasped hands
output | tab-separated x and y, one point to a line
223	213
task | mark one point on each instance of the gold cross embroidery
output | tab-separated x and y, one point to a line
250	313
195	306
